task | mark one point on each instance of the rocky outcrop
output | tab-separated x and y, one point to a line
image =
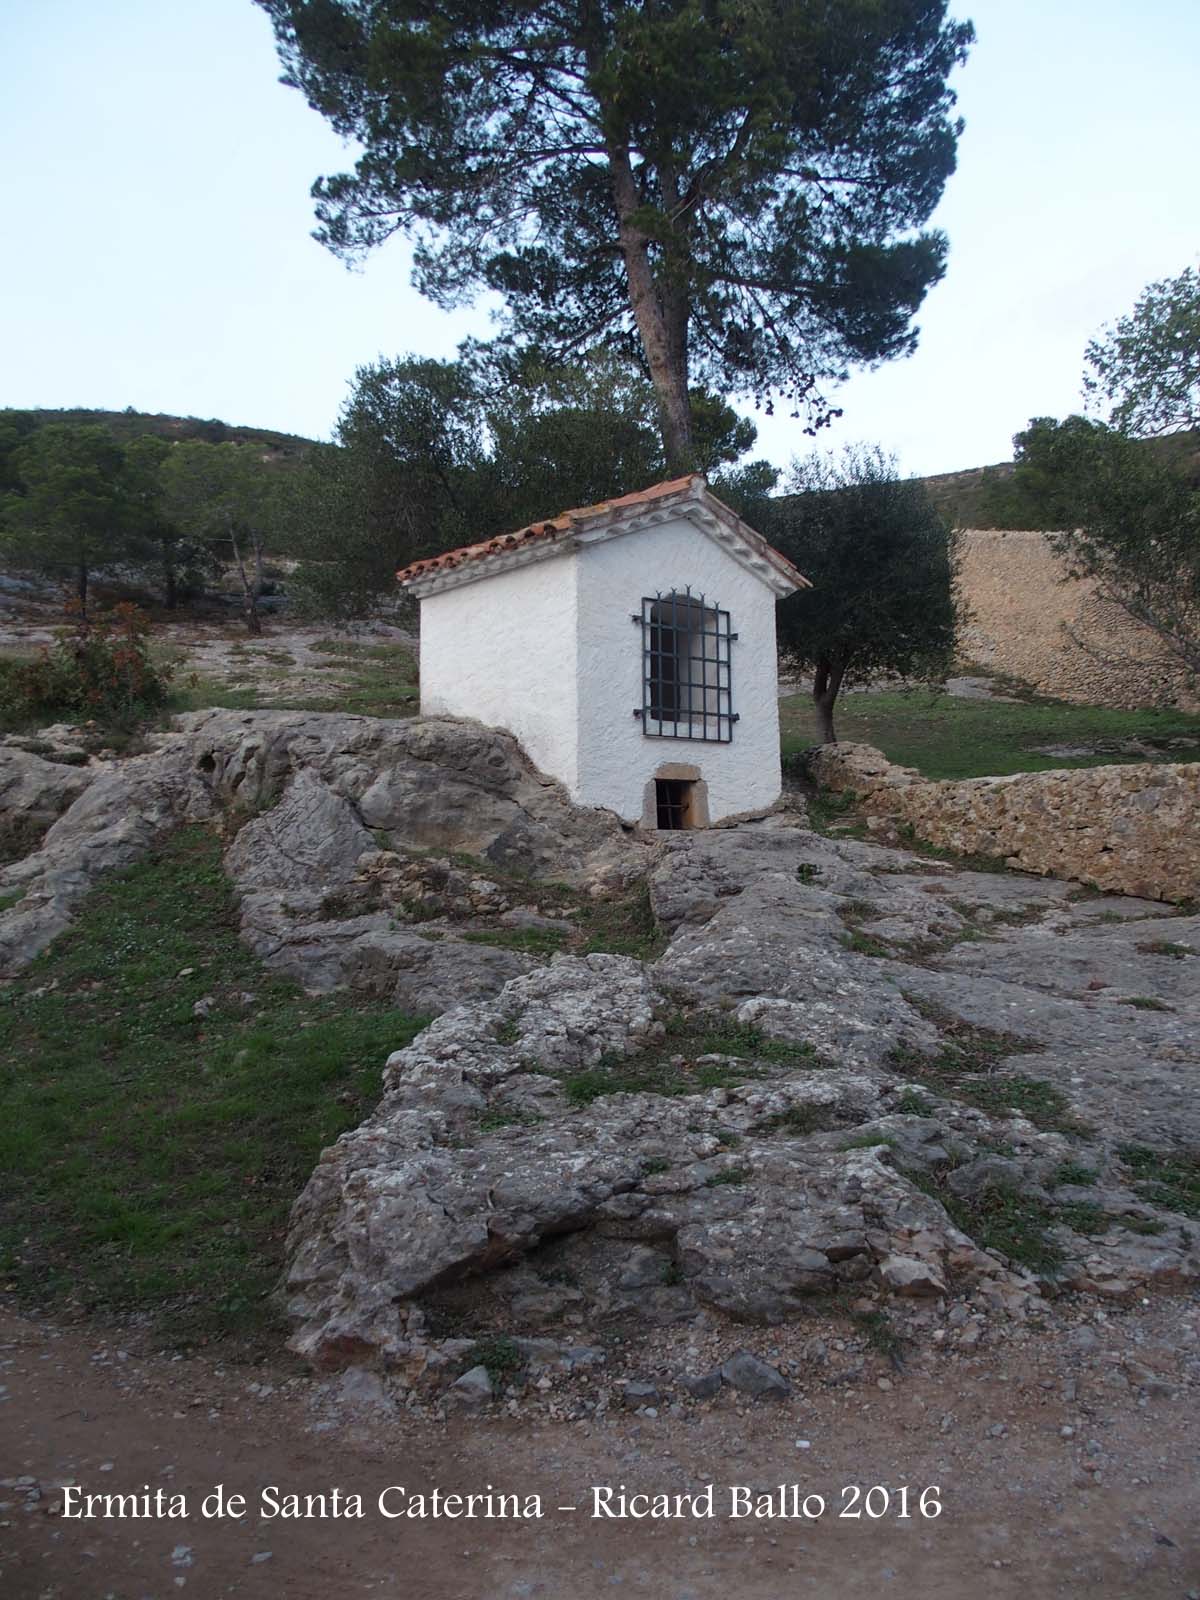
322	803
418	784
853	1072
1133	829
331	893
34	793
476	1158
764	1115
121	812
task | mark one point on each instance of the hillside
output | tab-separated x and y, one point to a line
964	496
977	497
130	424
973	497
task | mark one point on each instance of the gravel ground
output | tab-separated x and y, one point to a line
1065	1463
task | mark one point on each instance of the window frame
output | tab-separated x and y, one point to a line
667	710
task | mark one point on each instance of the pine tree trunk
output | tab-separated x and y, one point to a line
249	603
666	357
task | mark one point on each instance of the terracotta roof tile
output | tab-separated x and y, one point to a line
557	527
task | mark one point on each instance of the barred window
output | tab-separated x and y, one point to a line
686	668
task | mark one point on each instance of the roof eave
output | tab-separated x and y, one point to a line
595	525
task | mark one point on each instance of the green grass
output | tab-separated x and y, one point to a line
966	1069
701	1034
713	1033
624	926
1000	1218
489	1121
1074	1172
880	1333
1083	1218
912	1103
372	681
1171	1180
831	813
798	1121
865	944
195	692
970	861
728	1175
651	1074
1166	947
852	911
150	1157
533	941
957	1077
947	737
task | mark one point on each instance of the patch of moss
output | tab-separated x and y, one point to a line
864	945
501	1357
532	941
729	1175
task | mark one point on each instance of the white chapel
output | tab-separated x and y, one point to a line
629	646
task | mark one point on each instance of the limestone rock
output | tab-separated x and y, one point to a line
907	1275
35	792
310	840
749	1375
474	1388
115	819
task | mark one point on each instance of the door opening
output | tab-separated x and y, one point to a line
673	797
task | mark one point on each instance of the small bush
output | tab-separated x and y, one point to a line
98	668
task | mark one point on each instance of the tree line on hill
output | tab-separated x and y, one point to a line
431	454
75	499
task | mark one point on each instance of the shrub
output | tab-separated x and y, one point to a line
98	668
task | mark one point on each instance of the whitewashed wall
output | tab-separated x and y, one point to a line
615	759
549	651
503	651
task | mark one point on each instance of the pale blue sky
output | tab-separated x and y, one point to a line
156	219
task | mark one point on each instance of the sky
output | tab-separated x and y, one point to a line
157	247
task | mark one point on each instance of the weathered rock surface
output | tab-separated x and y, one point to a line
334	802
847	1063
119	813
37	791
323	903
496	1167
425	783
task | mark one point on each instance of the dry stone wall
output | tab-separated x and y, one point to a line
1029	620
1130	829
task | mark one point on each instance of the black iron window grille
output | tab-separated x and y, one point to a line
687	689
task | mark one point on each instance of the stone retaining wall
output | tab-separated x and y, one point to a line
1029	620
1129	829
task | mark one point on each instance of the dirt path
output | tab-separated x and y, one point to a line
1107	1509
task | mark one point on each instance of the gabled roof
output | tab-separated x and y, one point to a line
628	513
